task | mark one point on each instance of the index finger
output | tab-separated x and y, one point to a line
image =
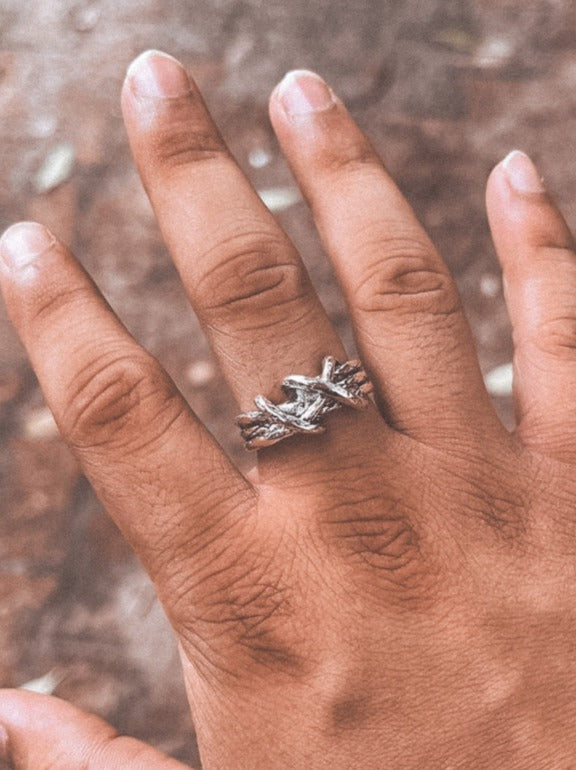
157	470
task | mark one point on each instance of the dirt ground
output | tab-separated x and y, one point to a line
444	88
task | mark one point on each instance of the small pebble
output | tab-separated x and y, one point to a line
86	19
494	52
56	169
490	285
201	373
43	126
40	425
44	685
499	381
280	198
259	158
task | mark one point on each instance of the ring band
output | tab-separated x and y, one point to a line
310	398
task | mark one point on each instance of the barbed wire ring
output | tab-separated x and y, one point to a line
310	399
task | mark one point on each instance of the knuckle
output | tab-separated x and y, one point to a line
178	143
352	157
384	545
387	543
556	337
61	301
404	280
244	620
235	605
252	282
117	399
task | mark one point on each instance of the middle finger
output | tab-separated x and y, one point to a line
244	278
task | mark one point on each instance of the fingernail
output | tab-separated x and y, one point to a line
522	173
23	243
157	75
302	92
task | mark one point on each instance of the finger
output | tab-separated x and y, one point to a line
244	278
39	732
405	307
536	250
154	466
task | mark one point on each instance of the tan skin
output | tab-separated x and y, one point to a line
396	593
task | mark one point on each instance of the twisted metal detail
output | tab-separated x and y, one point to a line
310	398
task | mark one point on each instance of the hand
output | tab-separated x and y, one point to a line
395	593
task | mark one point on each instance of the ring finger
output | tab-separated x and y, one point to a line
243	276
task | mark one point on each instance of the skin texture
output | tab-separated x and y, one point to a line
395	593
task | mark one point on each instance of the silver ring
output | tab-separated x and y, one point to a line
310	398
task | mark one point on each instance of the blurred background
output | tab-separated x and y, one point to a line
444	88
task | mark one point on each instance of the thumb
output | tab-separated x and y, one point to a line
38	732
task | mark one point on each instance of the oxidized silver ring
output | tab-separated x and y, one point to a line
310	398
